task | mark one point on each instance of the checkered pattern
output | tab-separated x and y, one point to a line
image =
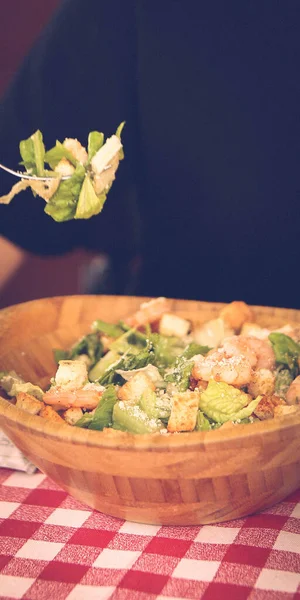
54	547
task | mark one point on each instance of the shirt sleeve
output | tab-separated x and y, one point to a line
78	77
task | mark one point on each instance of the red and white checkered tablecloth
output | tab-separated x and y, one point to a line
53	547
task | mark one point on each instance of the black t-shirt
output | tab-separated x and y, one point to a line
208	193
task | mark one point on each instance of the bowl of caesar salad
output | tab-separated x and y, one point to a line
155	410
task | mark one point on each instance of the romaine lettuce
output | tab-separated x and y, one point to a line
32	152
109	329
95	142
89	204
13	384
62	205
182	370
202	423
166	349
222	402
102	416
90	345
286	350
55	154
126	362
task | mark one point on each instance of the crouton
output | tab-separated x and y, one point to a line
184	412
76	149
282	410
28	403
133	389
71	374
262	383
173	325
266	406
50	414
72	415
236	314
212	333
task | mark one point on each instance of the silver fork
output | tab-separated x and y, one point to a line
33	177
36	178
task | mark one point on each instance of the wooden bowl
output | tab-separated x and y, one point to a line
185	479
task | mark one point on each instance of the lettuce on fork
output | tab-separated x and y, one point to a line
90	173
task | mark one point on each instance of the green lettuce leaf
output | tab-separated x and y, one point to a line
181	375
192	349
127	362
32	152
155	407
89	345
102	417
182	370
118	134
62	205
202	423
95	142
89	204
120	129
286	350
283	380
55	154
166	350
60	355
131	341
109	329
13	384
222	402
134	420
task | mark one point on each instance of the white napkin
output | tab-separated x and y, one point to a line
12	458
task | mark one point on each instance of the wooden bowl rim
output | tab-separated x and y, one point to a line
155	441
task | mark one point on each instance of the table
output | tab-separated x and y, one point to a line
53	547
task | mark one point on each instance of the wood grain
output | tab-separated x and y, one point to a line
186	479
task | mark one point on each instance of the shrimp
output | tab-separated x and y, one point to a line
293	393
63	399
148	312
217	365
238	345
76	149
259	352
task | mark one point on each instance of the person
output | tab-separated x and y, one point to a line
207	196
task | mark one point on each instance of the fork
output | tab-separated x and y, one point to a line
32	177
36	178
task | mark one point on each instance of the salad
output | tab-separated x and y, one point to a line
154	372
90	173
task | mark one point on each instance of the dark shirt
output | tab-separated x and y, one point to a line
208	193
